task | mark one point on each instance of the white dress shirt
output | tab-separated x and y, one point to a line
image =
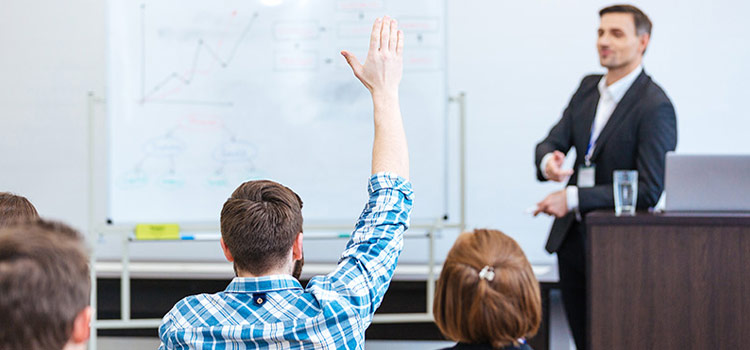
609	97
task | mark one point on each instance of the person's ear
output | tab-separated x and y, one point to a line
297	247
643	41
82	326
227	253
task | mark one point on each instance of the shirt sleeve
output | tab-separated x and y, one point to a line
166	324
571	196
366	267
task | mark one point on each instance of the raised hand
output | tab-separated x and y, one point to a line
383	67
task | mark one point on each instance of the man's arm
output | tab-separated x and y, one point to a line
550	152
381	74
367	264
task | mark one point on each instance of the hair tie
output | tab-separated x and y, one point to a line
488	273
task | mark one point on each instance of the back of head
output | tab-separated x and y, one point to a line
487	292
14	208
259	223
44	284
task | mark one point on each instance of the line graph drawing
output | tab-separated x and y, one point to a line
182	80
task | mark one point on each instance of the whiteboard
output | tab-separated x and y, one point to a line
205	95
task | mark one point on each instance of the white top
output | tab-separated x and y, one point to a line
609	97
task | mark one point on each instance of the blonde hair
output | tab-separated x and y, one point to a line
487	308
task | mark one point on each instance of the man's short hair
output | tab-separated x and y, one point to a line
44	284
497	306
642	23
259	224
15	208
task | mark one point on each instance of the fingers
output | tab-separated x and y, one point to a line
385	33
400	46
558	158
353	62
541	207
386	36
375	35
561	173
393	41
538	211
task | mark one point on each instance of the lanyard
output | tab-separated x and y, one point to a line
591	145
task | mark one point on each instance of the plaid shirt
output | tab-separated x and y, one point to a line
332	312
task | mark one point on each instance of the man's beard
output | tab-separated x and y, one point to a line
297	270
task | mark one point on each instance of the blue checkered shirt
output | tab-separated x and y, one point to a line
332	312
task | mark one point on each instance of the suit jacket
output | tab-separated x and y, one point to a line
638	134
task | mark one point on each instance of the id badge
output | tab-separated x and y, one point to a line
586	176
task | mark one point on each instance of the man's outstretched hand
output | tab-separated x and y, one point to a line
383	67
554	170
555	204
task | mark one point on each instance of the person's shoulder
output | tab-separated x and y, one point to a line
655	92
591	79
652	99
588	83
190	306
338	288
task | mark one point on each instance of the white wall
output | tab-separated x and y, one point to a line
53	53
518	62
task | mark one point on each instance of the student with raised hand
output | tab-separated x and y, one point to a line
487	296
265	306
44	287
15	208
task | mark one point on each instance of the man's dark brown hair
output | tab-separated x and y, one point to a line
44	284
495	309
259	224
642	23
15	208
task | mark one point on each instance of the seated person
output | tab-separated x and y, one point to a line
44	287
487	296
265	306
14	208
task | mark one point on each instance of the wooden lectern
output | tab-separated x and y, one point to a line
669	281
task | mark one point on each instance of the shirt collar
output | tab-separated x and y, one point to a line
262	284
618	89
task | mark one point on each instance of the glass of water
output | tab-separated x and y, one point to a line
626	191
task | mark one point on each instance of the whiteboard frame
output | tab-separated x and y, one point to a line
447	215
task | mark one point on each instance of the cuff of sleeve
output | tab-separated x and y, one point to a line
388	180
543	165
571	196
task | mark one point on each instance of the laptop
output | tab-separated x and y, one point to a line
707	183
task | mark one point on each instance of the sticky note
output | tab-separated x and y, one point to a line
157	231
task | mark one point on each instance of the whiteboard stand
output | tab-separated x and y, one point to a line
432	231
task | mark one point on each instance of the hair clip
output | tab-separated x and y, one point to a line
488	273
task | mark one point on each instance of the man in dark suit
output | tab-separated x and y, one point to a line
621	120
